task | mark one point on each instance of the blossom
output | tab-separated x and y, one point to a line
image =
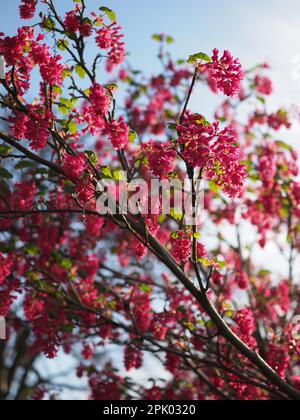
264	85
279	120
118	133
279	359
141	303
172	362
99	98
181	247
225	73
160	158
216	151
133	358
71	22
32	126
246	326
109	38
5	267
74	166
27	9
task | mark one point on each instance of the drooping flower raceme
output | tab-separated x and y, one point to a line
5	267
225	73
110	38
27	9
214	150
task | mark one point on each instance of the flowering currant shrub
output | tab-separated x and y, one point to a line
189	300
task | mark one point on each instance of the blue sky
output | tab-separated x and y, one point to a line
255	31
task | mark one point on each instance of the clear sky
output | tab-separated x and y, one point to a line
255	31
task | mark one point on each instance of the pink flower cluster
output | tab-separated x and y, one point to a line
27	9
109	38
160	158
181	247
141	303
225	73
5	267
32	126
100	99
133	358
118	133
50	68
214	150
279	359
74	166
246	327
73	24
264	85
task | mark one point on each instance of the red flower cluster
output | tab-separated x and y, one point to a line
161	158
246	327
279	359
27	9
109	38
50	68
264	85
133	358
181	247
74	166
141	303
217	152
100	99
32	126
225	73
5	267
118	133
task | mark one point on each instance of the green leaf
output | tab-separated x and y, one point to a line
5	150
284	145
197	235
119	175
80	71
157	37
31	249
72	127
214	187
195	58
93	157
107	172
25	164
4	173
205	262
176	215
146	288
62	44
66	264
110	13
170	40
132	136
49	24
